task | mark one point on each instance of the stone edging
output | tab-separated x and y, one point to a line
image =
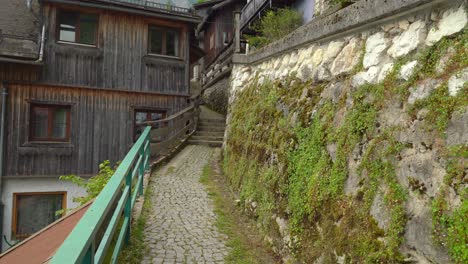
358	16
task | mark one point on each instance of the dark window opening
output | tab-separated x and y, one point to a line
142	116
50	123
34	211
163	41
77	28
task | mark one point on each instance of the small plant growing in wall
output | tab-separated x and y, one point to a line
94	185
274	25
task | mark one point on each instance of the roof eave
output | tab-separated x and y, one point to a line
133	10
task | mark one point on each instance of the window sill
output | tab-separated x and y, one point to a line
77	44
155	59
62	47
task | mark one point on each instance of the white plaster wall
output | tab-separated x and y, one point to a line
11	186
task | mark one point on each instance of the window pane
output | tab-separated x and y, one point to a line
40	116
60	123
156	38
172	43
88	27
67	24
140	117
156	116
34	212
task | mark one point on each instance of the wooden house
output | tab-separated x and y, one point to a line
78	76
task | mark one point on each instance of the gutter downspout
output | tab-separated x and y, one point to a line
41	49
2	135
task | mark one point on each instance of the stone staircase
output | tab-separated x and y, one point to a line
209	132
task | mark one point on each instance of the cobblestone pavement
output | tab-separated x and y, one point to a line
180	228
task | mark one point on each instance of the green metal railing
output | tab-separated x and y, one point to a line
92	237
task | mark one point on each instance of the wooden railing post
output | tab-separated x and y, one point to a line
141	169
128	206
89	256
237	25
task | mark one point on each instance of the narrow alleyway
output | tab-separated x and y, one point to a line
181	228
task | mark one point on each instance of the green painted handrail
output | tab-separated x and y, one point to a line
104	216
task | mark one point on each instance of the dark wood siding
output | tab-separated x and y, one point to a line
101	128
18	72
120	60
220	22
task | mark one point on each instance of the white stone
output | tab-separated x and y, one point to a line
317	57
407	70
293	59
386	69
333	49
375	46
369	76
285	60
277	63
347	59
457	81
423	90
302	55
304	73
403	24
321	74
408	40
452	22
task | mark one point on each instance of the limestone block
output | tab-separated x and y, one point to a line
407	70
369	76
302	54
408	40
453	21
457	129
285	60
423	90
321	74
347	59
457	81
386	70
380	211
317	57
375	46
304	73
293	59
332	50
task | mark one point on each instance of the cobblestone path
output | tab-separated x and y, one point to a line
180	228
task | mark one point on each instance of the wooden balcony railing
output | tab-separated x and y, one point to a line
91	239
168	133
155	6
251	9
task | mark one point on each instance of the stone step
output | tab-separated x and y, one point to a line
208	138
204	123
210	128
212	121
206	143
208	133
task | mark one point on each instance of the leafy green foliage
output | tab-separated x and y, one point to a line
274	25
95	184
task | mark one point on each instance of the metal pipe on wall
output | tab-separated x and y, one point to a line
2	136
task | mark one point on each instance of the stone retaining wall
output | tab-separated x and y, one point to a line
361	45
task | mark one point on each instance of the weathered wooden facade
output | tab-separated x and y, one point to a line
103	84
78	80
217	34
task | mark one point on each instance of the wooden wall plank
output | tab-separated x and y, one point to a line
101	123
